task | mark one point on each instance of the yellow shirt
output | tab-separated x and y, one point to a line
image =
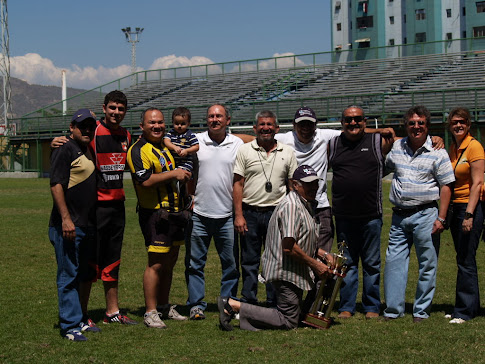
145	159
474	151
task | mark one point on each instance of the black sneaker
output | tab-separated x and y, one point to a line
119	318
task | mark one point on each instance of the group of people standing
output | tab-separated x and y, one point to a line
267	192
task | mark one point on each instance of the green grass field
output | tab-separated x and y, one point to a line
28	303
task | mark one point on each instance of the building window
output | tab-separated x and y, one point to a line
480	6
363	6
463	11
420	37
449	36
479	31
464	34
391	42
391	20
338	4
404	19
364	44
448	13
391	1
339	27
365	22
405	40
420	14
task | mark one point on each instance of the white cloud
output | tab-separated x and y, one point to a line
36	69
172	61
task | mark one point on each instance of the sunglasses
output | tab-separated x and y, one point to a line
357	119
458	121
419	122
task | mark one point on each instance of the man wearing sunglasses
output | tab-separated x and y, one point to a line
422	175
357	161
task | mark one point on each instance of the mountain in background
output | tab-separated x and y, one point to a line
26	98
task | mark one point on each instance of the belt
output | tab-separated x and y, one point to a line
412	210
245	206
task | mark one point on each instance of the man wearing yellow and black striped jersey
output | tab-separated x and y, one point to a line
155	178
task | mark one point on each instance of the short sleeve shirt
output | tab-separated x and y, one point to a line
184	141
145	159
254	164
469	151
417	175
313	154
290	219
74	171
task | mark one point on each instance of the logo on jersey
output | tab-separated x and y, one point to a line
124	145
116	158
141	173
117	165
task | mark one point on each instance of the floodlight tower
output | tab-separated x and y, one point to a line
5	107
132	37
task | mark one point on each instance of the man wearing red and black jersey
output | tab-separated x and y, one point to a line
109	146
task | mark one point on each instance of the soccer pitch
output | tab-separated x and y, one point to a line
28	303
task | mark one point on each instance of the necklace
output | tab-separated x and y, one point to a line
268	186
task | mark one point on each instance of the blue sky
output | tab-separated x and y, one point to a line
85	37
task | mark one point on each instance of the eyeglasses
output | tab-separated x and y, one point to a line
458	121
357	119
419	122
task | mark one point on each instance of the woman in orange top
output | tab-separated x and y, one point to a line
467	158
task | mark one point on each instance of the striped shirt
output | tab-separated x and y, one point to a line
417	175
290	219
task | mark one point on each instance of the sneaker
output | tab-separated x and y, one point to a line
448	316
89	326
169	312
153	319
196	313
457	320
74	335
120	318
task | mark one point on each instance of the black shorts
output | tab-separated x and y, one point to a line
110	218
160	235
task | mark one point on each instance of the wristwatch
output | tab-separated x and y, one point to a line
467	215
443	221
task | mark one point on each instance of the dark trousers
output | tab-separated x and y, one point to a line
251	244
467	301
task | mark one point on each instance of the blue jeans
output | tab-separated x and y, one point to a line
251	244
405	231
203	230
71	259
467	301
363	238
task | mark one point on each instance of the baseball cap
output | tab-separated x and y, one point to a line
81	115
305	113
305	173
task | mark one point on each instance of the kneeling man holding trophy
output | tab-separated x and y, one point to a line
289	262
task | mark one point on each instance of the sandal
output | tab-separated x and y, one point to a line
225	318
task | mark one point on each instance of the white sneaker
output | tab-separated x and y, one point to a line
152	319
169	312
457	320
448	316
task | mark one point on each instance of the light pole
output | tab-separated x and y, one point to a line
132	37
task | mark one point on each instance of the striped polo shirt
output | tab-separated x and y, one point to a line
417	175
290	219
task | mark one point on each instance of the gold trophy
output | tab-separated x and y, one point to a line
319	316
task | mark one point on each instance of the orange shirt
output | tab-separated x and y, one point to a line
474	151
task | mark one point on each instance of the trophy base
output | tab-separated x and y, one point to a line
318	322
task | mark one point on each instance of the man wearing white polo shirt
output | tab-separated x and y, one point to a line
310	145
212	216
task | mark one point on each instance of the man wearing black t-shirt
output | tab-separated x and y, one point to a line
357	159
72	221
